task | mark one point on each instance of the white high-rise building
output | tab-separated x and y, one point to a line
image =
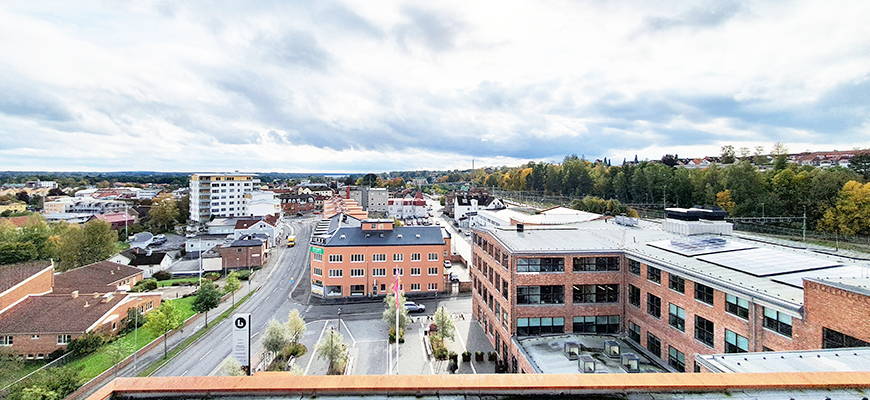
220	194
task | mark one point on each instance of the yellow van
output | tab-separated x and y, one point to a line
291	241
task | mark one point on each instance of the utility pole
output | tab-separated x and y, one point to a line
805	224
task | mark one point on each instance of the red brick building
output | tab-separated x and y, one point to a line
243	254
673	296
292	203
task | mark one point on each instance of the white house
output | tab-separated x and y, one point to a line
407	207
267	226
463	204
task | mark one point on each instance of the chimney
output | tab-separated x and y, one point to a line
520	227
75	294
87	304
96	295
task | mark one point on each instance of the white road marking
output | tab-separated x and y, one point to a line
314	353
206	353
462	343
349	334
185	371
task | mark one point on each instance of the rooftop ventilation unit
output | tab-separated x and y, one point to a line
399	236
520	227
611	348
586	364
627	221
572	350
342	237
630	362
418	236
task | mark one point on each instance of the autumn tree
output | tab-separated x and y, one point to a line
851	216
723	200
164	212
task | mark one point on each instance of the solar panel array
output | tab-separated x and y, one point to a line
796	278
768	262
696	246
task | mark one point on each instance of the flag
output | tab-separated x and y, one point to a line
396	287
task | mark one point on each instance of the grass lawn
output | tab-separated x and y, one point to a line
109	354
169	282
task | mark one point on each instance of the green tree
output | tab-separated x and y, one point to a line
389	315
851	216
232	367
162	320
207	298
780	156
164	212
85	245
332	349
276	337
295	326
726	154
116	351
232	284
444	323
183	206
860	163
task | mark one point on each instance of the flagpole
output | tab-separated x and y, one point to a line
396	271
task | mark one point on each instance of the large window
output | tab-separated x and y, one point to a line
416	257
634	295
357	258
64	339
335	258
676	283
653	305
357	272
634	331
704	293
538	326
704	330
654	344
676	359
416	271
677	317
317	257
433	287
433	271
379	258
335	273
654	274
596	324
398	257
317	271
592	264
7	341
737	306
832	339
541	265
777	321
415	287
541	294
596	293
634	267
378	272
433	256
735	343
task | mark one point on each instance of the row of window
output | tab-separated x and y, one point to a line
600	324
358	258
555	294
61	339
376	272
557	264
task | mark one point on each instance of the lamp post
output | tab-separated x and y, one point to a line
762	210
339	320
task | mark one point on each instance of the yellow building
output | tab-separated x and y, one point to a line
13	207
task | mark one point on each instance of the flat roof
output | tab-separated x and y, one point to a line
833	360
548	354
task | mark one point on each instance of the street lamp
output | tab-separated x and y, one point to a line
339	320
762	210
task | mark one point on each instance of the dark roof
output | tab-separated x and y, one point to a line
56	313
13	274
139	256
247	223
99	277
482	200
355	236
246	243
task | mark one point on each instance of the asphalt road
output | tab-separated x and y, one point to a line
273	300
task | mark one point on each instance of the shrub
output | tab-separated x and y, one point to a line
162	275
393	335
145	285
293	350
493	356
54	355
439	350
212	276
86	344
244	275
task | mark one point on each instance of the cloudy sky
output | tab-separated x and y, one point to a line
363	86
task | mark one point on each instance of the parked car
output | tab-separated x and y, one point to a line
454	277
447	264
414	307
467	232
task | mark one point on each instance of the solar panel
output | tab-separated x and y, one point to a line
768	262
695	246
796	279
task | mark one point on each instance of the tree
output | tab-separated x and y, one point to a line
389	315
780	156
726	154
207	298
670	160
332	348
851	216
116	351
85	245
723	200
232	284
276	337
164	211
183	206
162	320
295	326
860	163
444	323
232	367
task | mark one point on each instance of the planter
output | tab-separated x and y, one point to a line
493	356
478	356
466	356
453	357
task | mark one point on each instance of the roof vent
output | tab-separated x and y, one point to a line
107	297
75	294
418	236
87	304
342	237
381	235
399	236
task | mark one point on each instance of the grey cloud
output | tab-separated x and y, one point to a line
434	30
28	99
295	48
338	16
707	14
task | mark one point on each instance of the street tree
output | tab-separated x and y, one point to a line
85	245
276	337
295	326
162	320
444	323
164	212
207	298
232	367
332	349
389	315
232	284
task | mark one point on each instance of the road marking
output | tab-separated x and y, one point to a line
225	337
462	343
185	371
206	353
314	353
349	334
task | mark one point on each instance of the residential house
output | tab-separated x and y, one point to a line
267	226
146	260
408	207
243	254
468	204
262	203
17	281
117	220
220	195
292	204
99	277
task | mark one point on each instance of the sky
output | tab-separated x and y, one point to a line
363	86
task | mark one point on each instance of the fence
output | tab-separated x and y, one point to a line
58	362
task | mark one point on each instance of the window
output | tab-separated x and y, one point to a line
335	258
357	272
735	343
676	283
379	258
596	293
378	272
416	257
415	287
654	274
593	264
398	271
677	317
398	257
433	271
504	289
634	267
654	344
504	260
336	273
777	322
415	271
6	340
357	258
317	257
540	294
676	359
704	331
737	306
357	290
433	287
634	295
538	326
64	339
541	265
596	324
634	331
704	293
653	305
832	339
317	271
433	256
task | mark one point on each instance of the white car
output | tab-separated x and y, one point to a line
447	264
414	307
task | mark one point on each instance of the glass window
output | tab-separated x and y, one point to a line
634	331
634	295
737	306
704	330
357	258
653	274
316	257
735	343
541	265
654	344
832	339
416	256
538	326
596	293
541	294
416	271
676	283
777	322
677	317
335	273
335	258
379	258
357	272
433	256
634	267
596	264
433	271
676	359
317	271
398	257
378	272
704	293
598	324
653	305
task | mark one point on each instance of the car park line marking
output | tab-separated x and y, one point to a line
314	353
350	334
462	343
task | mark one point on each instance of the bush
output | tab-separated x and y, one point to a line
293	350
86	344
212	276
244	275
145	285
493	356
433	328
439	350
162	275
466	355
393	335
54	355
